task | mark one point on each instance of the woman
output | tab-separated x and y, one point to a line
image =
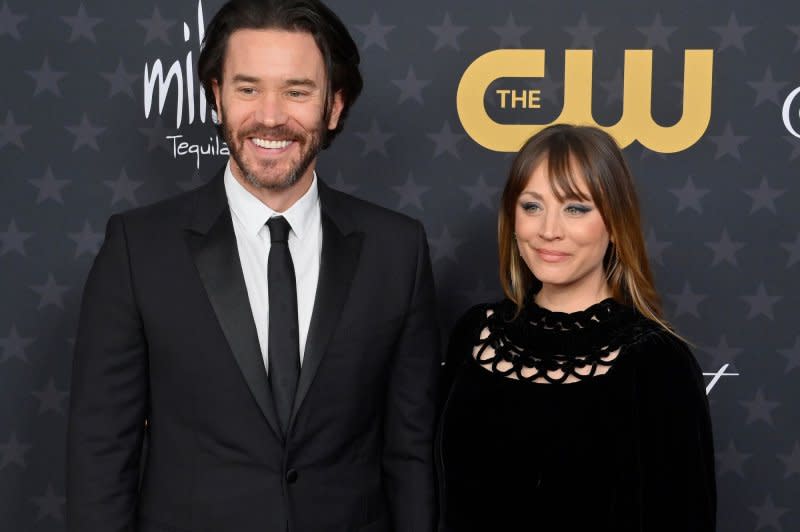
572	405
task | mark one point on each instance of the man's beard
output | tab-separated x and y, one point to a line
310	146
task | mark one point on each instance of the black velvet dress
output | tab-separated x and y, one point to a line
625	446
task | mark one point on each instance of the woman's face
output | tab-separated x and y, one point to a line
562	242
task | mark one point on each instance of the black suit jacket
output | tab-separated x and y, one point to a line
166	338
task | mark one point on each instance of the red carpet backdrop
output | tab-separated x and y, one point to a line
101	111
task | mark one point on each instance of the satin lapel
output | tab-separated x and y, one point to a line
213	245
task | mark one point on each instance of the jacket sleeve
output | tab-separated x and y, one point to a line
108	399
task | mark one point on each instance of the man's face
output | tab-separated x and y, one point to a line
271	103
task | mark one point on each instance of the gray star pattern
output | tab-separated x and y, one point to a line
192	183
87	241
46	79
759	409
761	303
722	353
411	87
550	89
446	141
374	33
656	247
769	515
374	139
342	185
11	132
49	505
445	246
792	355
481	194
657	34
689	196
49	187
156	135
791	461
796	31
768	90
50	293
13	452
447	34
731	461
14	346
583	34
731	35
725	249
85	134
410	193
764	196
510	33
687	301
9	22
479	294
50	398
13	239
728	143
795	142
613	87
120	81
123	189
156	27
82	25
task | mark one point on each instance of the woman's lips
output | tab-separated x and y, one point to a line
549	255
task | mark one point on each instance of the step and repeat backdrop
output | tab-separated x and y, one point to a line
101	111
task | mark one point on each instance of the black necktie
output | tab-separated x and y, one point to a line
283	344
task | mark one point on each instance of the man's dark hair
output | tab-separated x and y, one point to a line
339	51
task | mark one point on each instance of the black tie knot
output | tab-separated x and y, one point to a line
278	229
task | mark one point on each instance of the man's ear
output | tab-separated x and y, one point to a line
336	110
215	86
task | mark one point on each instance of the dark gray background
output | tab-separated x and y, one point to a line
721	217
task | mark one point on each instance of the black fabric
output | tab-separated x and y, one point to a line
626	450
283	351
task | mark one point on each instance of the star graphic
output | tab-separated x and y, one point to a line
795	142
482	194
725	249
794	251
411	87
123	188
157	135
46	78
50	398
550	89
13	240
9	22
657	34
767	90
85	134
689	196
446	141
479	294
410	193
769	515
727	143
13	452
790	461
761	303
120	81
583	34
50	505
510	34
193	182
14	346
722	353
687	301
50	293
613	88
11	132
157	27
445	246
764	197
731	460
731	35
792	355
82	25
49	187
87	241
447	34
656	247
342	186
374	139
796	31
759	409
374	32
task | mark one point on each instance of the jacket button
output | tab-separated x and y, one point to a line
291	476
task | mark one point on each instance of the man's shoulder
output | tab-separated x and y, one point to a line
172	209
367	215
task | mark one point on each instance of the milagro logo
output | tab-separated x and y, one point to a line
792	119
180	81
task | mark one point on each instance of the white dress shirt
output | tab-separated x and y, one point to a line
250	216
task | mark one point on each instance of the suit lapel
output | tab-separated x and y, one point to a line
212	243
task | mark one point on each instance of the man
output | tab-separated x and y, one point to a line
274	338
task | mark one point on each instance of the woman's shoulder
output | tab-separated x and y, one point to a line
661	355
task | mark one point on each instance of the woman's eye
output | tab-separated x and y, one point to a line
577	209
530	207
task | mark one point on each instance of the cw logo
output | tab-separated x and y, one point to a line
636	122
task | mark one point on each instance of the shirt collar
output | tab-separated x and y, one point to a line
253	214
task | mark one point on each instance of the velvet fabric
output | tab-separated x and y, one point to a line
626	450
